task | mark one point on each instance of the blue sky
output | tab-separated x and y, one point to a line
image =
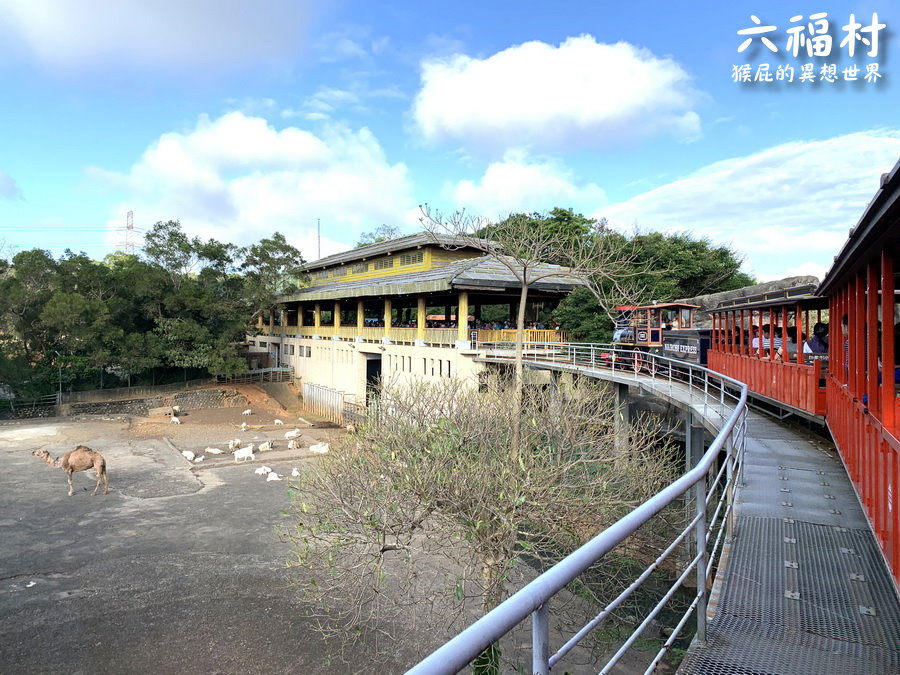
240	119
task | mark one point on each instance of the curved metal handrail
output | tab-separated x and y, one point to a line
533	598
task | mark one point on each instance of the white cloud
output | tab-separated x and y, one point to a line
327	101
171	33
581	93
787	208
517	184
237	179
8	188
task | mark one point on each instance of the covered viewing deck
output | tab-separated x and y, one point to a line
420	303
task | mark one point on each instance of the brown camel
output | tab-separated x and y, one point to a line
81	458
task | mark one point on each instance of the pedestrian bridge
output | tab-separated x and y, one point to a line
789	578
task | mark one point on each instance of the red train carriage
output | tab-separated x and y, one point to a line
776	343
863	381
833	352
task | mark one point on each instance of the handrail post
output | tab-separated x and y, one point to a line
729	482
699	490
540	640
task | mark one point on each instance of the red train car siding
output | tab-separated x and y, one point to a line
871	454
862	410
796	385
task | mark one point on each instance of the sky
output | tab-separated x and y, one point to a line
326	119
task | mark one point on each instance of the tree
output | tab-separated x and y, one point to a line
271	267
580	249
424	514
684	266
170	248
379	234
669	267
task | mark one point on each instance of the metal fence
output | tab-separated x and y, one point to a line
709	486
125	393
325	402
45	406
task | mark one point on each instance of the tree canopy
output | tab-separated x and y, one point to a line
379	234
667	267
181	306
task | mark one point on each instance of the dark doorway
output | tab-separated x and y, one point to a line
373	375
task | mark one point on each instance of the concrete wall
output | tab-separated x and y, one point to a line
341	365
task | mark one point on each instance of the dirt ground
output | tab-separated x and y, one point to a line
178	569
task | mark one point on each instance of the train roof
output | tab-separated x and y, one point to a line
796	295
669	305
876	229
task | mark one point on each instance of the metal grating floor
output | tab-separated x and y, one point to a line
805	589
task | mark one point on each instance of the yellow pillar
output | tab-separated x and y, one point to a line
271	321
360	315
387	316
282	317
299	316
462	316
317	316
337	315
420	318
259	322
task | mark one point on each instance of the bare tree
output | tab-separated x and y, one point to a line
533	252
425	517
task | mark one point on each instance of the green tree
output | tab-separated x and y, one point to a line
379	234
271	267
667	267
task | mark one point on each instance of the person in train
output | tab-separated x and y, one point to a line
818	343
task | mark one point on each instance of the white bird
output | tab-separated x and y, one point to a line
265	447
175	420
199	459
247	412
188	455
295	472
279	423
214	451
262	470
320	448
273	476
293	445
292	434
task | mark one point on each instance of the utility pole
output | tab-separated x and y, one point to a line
319	234
59	366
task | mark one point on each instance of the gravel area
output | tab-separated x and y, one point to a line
177	569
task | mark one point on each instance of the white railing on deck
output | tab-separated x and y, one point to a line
712	492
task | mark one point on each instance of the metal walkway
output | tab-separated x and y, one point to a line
804	588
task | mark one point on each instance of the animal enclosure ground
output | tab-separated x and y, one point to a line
178	569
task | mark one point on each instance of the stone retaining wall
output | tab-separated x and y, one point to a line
208	398
187	400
